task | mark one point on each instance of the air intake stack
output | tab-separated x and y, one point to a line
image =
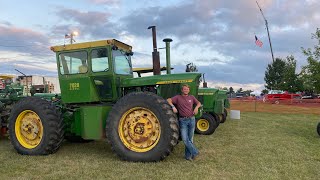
168	63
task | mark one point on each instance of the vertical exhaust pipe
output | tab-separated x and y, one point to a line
205	84
155	53
168	63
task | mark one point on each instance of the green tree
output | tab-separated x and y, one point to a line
239	90
231	90
247	92
310	73
274	74
265	91
291	82
281	75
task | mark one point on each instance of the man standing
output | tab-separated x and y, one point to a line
184	105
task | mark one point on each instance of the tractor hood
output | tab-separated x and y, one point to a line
207	91
162	79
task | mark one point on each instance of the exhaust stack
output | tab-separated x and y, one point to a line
155	53
205	84
168	63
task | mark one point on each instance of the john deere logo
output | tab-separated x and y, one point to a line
205	93
175	81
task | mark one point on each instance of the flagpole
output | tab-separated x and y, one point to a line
267	31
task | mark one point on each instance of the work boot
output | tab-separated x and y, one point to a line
196	156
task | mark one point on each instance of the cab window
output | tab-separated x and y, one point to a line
122	62
73	62
99	58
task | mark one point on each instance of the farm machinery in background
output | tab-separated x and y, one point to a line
276	96
11	92
100	98
215	103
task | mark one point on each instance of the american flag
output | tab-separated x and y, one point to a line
258	42
66	36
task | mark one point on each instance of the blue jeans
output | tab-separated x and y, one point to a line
187	126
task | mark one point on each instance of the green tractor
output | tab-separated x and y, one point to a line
101	99
214	103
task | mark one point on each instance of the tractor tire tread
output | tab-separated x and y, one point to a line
52	122
168	121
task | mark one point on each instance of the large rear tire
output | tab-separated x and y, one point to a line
35	127
318	128
142	127
206	125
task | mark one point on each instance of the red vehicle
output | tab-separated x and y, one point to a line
276	96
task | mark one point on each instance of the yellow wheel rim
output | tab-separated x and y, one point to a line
203	124
139	129
29	129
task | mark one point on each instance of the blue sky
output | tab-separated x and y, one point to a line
216	35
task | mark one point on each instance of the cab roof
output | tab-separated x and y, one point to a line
91	44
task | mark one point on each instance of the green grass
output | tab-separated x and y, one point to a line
259	146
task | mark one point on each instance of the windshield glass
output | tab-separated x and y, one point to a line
122	62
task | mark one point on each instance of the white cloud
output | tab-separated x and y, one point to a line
52	67
236	86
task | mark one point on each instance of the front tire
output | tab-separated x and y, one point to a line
35	127
318	128
142	127
223	116
206	125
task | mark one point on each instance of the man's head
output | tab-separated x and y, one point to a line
185	89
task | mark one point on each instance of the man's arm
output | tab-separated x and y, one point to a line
196	109
174	109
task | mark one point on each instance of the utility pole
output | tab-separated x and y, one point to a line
267	31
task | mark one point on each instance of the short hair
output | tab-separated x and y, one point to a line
185	85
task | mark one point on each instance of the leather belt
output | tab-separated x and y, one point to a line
185	117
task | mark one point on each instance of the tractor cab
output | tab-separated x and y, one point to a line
92	71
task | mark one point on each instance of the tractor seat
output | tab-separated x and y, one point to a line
83	69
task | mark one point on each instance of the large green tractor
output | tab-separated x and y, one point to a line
100	98
214	103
